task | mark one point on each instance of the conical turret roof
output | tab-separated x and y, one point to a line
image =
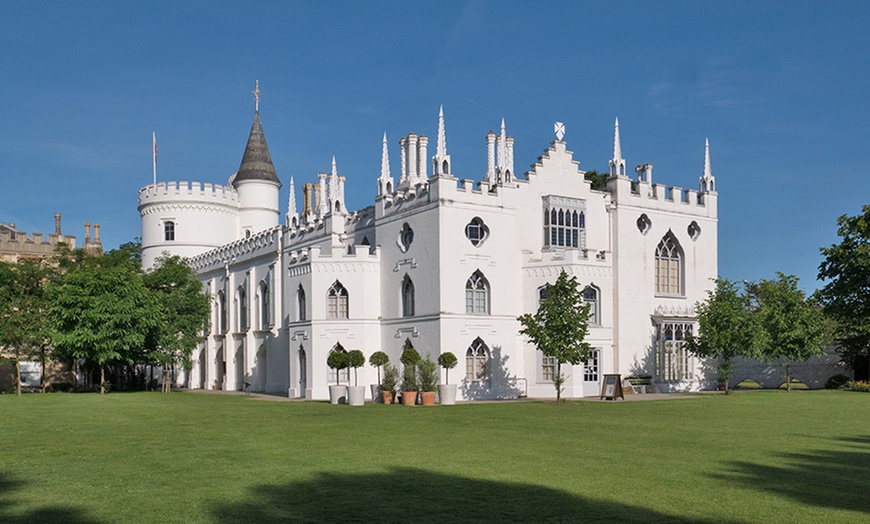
256	163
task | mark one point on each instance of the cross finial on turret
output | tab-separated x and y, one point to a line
256	92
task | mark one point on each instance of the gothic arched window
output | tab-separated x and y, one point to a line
300	304
669	266
477	294
336	301
477	362
407	297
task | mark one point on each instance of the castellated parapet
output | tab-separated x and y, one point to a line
186	218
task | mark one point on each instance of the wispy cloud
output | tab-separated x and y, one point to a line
718	83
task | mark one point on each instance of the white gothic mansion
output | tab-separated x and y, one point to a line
440	263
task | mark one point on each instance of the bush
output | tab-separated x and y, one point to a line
410	357
391	378
837	382
428	375
863	387
409	379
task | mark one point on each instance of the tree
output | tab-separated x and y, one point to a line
599	180
846	295
793	328
24	326
183	310
337	360
102	312
727	328
355	359
447	361
378	359
560	326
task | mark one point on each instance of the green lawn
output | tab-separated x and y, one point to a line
189	457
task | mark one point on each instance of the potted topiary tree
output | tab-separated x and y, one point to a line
378	359
337	360
388	385
356	394
410	358
428	380
447	361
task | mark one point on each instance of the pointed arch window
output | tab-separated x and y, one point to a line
477	294
265	306
336	301
222	312
407	297
300	304
242	309
477	362
590	296
669	266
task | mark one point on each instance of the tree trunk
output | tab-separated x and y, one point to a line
102	379
787	376
18	376
558	381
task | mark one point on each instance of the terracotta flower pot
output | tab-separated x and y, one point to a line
428	398
387	396
409	398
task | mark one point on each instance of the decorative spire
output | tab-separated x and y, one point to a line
256	92
291	204
708	181
441	146
617	164
617	147
333	187
385	160
501	153
441	160
334	171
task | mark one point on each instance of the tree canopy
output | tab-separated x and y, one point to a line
727	328
24	305
793	329
846	294
560	326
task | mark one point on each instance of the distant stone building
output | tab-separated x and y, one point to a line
16	246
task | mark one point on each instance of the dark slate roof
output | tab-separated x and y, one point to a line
257	163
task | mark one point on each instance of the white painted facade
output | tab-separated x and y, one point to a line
399	272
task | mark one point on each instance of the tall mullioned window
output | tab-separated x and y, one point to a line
669	262
477	362
590	369
590	296
477	294
564	222
673	362
336	301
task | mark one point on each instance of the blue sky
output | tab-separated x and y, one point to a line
781	90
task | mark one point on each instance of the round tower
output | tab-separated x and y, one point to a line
186	219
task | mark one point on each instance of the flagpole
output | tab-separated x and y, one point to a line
154	157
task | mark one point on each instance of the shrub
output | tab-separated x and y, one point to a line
337	360
447	361
410	357
355	359
409	379
428	374
391	378
837	382
863	387
378	359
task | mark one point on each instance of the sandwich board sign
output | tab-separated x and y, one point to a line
611	387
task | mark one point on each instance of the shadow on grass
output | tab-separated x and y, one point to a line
413	495
46	514
825	478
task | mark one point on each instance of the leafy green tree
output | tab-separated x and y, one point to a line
102	312
727	328
846	294
599	180
793	328
183	309
24	305
560	326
